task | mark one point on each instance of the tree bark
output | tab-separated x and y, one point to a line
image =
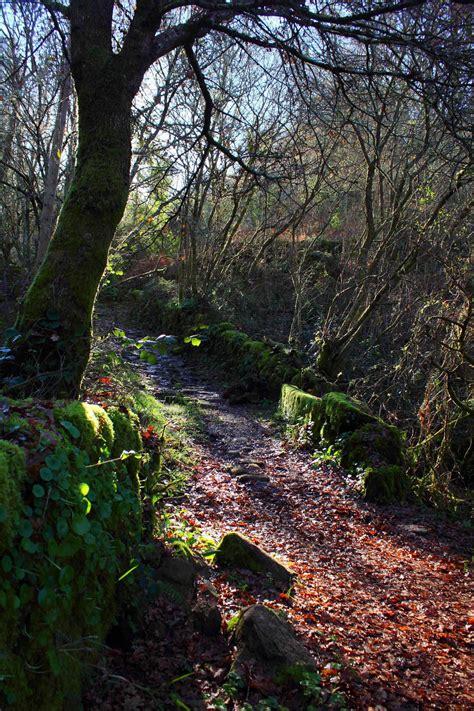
56	315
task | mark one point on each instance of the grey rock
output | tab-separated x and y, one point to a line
207	618
264	640
245	478
178	570
234	550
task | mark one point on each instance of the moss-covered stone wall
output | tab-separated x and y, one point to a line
271	363
364	440
69	519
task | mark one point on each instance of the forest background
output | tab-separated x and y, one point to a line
312	188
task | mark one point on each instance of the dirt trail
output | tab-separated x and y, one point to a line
383	600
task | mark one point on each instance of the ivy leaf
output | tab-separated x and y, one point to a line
66	575
43	596
62	527
80	525
38	491
84	488
25	528
72	429
46	474
7	563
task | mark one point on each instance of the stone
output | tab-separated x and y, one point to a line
245	478
207	619
234	550
178	570
264	640
413	528
386	484
237	471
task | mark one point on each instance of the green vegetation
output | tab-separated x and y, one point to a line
353	437
71	517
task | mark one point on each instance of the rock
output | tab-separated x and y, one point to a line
152	553
374	444
235	550
245	478
175	579
415	529
252	462
237	471
264	640
207	619
386	484
178	570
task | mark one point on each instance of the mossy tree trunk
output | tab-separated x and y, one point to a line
55	318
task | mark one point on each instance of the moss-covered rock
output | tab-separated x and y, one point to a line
96	432
343	414
126	428
70	521
386	484
235	550
364	440
12	475
296	405
270	362
374	444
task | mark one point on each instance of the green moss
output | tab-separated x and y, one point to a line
343	414
374	443
386	484
12	474
126	428
296	405
95	427
256	347
233	622
69	528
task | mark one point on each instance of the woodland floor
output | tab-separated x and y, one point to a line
383	599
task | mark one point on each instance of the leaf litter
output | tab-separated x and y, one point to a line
383	598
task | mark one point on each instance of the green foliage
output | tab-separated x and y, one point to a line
12	474
70	529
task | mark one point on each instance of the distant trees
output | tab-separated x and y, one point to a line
36	142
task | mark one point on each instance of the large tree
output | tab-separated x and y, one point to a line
112	45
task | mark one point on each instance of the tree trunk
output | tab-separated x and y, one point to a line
56	315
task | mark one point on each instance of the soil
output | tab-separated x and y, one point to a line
383	599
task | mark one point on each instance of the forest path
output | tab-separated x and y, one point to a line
383	599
